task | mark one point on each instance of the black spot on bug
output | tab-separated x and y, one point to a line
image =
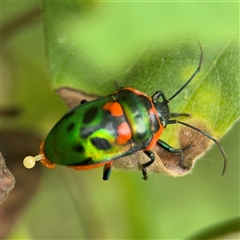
90	115
101	143
68	115
85	132
70	127
78	148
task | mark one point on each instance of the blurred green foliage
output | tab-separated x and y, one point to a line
79	205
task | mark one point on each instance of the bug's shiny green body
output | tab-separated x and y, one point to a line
104	129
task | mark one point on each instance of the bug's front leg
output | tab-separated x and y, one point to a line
151	156
170	149
159	94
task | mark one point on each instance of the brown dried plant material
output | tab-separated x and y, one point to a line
7	181
72	97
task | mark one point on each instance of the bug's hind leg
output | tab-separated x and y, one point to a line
107	170
170	149
83	101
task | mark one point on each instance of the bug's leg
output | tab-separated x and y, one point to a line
107	170
83	101
170	149
159	94
151	156
180	115
204	133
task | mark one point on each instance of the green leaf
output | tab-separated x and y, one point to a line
229	229
90	44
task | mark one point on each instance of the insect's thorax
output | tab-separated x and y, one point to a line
163	112
141	116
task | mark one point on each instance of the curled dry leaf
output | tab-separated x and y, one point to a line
72	97
169	163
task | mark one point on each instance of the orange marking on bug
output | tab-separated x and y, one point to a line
44	160
151	111
136	91
114	108
124	133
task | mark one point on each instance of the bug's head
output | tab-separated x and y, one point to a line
162	108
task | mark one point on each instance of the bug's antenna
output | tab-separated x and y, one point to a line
208	136
191	78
